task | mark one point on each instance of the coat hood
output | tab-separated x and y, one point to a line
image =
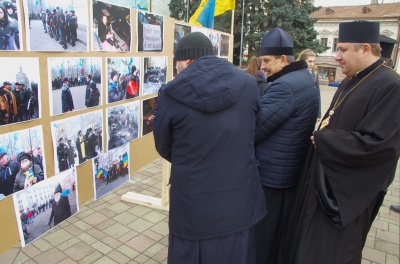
209	84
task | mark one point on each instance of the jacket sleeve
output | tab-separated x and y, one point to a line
277	105
162	127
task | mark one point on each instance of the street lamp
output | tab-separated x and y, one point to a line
279	22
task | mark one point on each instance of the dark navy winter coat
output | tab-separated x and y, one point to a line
204	125
289	113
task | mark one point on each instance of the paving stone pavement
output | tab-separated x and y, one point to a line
110	230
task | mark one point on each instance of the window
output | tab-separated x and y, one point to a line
324	42
335	42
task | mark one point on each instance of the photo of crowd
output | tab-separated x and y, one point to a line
19	92
111	27
124	78
22	163
155	74
150	31
56	25
77	139
10	26
148	115
75	83
110	170
45	205
122	124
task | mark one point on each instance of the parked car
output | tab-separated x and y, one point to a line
335	83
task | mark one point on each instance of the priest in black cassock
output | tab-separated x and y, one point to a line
353	160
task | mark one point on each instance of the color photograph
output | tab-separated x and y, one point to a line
155	74
215	37
110	170
20	90
148	115
77	139
150	31
122	124
123	78
179	32
56	25
224	51
10	26
75	83
45	205
111	29
22	161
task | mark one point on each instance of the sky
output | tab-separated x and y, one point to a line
347	2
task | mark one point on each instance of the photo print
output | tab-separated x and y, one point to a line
123	76
122	124
110	170
77	139
215	36
75	83
224	51
45	205
10	26
56	25
148	115
150	31
22	162
179	32
155	74
111	27
20	90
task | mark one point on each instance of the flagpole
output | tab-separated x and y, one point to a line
241	37
187	11
232	21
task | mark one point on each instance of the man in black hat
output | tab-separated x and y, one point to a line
387	45
67	101
354	156
289	110
62	155
60	209
12	102
73	25
29	174
8	172
205	124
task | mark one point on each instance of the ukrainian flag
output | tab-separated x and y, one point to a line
208	9
221	6
99	173
125	160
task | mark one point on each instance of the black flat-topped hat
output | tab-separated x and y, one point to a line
359	32
276	42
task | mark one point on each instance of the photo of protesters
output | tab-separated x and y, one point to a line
57	25
70	79
122	124
22	163
111	27
150	31
19	92
45	204
10	27
155	74
110	170
124	78
77	139
148	115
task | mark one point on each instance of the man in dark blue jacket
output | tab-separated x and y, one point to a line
205	126
289	110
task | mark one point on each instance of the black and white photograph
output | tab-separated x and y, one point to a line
77	139
150	31
110	170
10	26
123	75
45	205
22	161
122	124
224	51
20	90
54	25
75	83
155	74
148	111
111	27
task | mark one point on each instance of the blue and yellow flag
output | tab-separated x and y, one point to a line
204	15
221	6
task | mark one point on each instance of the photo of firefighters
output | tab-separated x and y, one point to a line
20	90
110	170
111	30
148	115
45	205
124	78
150	31
56	25
155	74
10	26
75	83
122	124
22	162
77	139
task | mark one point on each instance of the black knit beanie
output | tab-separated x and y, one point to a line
193	46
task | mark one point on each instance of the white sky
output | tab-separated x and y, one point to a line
347	2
